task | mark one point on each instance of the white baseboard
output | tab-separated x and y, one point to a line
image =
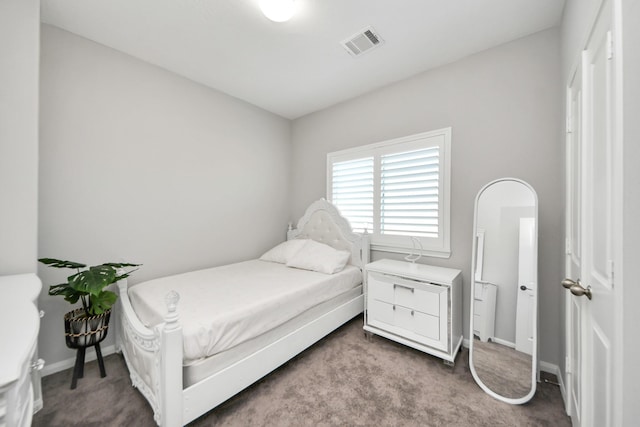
68	363
555	370
550	368
505	343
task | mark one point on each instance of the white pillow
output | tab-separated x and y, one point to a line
319	257
283	252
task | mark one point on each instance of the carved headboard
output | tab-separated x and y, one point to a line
323	223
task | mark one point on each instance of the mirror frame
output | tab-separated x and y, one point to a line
534	353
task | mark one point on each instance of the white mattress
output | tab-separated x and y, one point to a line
222	307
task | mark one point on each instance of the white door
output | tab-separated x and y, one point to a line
573	262
527	278
591	192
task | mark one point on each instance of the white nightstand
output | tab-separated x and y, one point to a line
415	304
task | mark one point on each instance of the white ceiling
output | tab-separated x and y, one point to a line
297	67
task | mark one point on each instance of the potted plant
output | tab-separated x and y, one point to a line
87	326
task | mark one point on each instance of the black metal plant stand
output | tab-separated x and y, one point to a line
82	332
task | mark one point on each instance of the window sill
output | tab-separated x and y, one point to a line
406	251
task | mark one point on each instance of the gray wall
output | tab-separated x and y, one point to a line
140	165
19	59
505	109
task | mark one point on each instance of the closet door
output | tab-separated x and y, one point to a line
592	164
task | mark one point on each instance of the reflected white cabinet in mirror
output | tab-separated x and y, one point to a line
504	299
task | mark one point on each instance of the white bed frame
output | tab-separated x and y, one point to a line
154	356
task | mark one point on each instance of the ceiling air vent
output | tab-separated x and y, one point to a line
362	42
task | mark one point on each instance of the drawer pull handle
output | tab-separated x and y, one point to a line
412	312
395	285
394	307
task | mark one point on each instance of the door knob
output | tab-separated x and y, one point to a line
578	290
568	283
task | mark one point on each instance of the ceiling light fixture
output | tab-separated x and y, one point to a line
278	10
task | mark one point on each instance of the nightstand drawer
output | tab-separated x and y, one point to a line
381	312
420	323
380	289
391	317
418	296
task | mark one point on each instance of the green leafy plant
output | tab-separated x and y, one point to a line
88	284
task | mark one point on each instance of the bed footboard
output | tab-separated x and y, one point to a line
153	357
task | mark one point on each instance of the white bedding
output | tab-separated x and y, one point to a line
224	306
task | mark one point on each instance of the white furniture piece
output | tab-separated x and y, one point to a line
415	304
155	356
20	392
484	295
484	310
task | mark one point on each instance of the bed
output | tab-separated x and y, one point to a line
186	358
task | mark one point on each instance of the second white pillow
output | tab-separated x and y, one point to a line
319	257
283	252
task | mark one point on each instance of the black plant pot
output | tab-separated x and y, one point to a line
82	332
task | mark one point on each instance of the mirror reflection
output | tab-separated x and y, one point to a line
503	351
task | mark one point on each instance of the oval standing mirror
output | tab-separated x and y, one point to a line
503	345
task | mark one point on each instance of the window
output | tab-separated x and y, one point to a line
396	190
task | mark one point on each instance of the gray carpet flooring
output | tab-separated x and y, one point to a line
343	380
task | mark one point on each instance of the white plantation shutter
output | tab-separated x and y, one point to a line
396	189
409	184
352	191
